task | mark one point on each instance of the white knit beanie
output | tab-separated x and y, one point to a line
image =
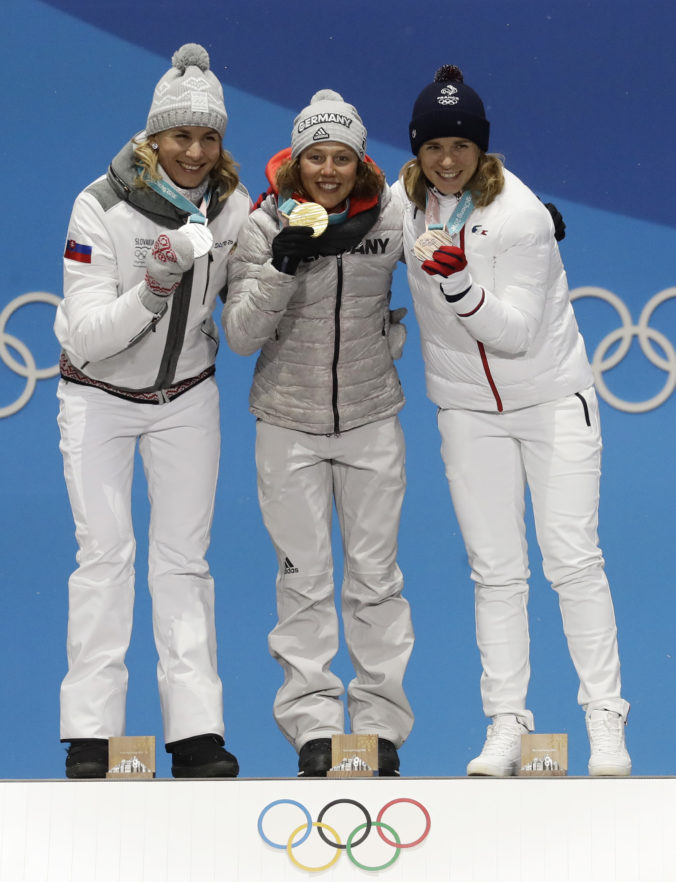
188	94
328	118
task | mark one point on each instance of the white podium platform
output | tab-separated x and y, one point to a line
467	830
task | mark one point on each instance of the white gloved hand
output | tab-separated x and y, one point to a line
173	253
396	334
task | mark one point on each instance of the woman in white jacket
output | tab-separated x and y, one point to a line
506	365
146	256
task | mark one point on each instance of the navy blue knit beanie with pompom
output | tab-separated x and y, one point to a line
448	108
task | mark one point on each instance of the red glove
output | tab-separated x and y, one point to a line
450	263
446	261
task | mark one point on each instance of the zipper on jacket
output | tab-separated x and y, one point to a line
206	284
336	345
178	320
489	376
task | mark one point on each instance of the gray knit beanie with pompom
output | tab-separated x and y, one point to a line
188	94
328	118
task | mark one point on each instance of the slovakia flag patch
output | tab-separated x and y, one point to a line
75	251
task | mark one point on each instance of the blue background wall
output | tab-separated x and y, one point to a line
581	100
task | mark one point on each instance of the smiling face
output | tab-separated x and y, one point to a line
449	163
328	173
188	153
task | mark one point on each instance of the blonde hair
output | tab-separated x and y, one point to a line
369	183
485	184
223	175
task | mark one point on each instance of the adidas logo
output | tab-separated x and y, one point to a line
321	134
289	567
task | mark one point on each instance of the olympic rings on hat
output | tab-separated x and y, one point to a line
28	370
353	840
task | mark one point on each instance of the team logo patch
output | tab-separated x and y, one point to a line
141	249
448	95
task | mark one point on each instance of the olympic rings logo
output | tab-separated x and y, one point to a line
648	339
353	839
28	370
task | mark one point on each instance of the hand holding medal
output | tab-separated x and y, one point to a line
296	241
445	261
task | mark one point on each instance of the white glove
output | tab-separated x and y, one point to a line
396	334
173	253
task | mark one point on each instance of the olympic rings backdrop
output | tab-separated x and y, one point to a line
577	97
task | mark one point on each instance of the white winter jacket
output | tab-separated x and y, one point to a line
110	328
512	340
325	364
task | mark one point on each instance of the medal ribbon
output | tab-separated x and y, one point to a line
457	219
179	200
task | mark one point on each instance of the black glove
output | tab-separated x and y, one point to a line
290	246
559	226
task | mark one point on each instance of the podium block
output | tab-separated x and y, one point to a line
353	756
544	755
131	756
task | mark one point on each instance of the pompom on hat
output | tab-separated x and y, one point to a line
189	94
328	118
447	108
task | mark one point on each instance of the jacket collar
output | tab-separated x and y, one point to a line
274	164
122	176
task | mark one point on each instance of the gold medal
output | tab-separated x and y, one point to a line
309	214
429	242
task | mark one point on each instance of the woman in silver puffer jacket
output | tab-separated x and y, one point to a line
326	395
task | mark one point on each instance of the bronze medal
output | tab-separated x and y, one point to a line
429	242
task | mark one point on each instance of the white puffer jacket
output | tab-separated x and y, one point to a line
512	340
325	365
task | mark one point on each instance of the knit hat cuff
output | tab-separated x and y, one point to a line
448	125
184	116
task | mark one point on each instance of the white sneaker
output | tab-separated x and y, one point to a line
501	754
606	738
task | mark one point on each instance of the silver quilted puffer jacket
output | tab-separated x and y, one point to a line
325	364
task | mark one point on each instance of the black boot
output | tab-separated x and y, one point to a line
388	759
202	756
87	758
314	759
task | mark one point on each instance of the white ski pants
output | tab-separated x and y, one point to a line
555	448
299	477
179	443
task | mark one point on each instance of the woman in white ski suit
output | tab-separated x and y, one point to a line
506	365
326	394
139	344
